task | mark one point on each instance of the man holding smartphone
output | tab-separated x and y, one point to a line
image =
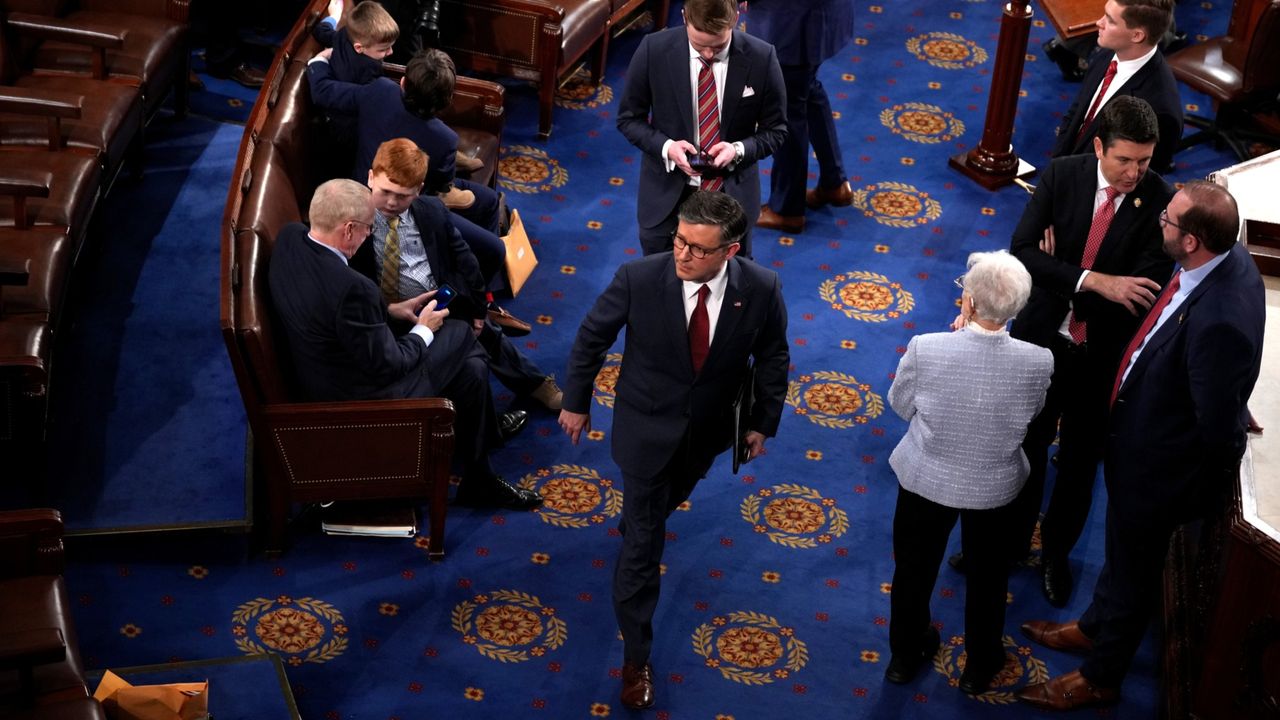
704	103
696	319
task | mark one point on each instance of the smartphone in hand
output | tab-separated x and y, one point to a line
444	294
701	163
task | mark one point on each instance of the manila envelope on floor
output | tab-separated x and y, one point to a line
520	258
173	701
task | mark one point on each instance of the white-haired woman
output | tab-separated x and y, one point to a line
968	396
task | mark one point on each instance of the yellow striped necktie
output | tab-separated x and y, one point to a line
391	263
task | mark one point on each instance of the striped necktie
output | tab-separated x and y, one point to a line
708	119
1102	91
1098	230
390	280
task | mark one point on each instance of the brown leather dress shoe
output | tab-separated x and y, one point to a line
637	686
1058	636
511	325
771	220
840	196
245	74
1067	692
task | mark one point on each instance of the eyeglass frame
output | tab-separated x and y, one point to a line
1165	221
697	251
959	281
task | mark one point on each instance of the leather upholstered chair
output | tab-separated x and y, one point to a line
545	41
41	675
153	56
1240	75
96	117
309	452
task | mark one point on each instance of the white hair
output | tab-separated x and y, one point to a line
998	284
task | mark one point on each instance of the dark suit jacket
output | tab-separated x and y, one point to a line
657	105
659	399
450	258
380	116
1178	423
803	32
1132	246
336	325
1154	82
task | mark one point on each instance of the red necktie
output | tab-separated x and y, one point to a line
699	331
708	119
1102	91
1098	230
1141	335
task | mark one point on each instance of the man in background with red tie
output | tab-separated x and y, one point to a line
1177	434
1090	237
695	318
704	103
1130	29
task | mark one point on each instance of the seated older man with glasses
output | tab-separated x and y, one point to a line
968	395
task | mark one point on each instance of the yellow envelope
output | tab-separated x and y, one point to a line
172	701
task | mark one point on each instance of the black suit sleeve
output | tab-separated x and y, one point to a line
596	335
324	32
771	127
362	329
636	102
772	361
466	268
1047	271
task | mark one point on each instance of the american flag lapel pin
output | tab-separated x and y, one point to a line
1137	202
737	303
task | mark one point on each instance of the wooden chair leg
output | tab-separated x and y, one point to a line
436	511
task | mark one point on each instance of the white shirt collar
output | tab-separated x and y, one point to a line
331	249
1132	66
720	57
717	284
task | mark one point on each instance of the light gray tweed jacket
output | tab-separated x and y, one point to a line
969	396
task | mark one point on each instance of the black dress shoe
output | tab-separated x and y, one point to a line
637	686
976	678
1057	582
496	492
957	562
511	423
904	667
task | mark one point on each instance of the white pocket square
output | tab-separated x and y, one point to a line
748	91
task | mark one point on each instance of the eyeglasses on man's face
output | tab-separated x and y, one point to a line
1165	221
680	245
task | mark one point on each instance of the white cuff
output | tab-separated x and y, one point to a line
423	332
1080	282
666	159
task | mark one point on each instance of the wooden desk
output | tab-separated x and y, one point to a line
1073	18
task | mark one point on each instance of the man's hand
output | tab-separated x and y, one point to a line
325	53
722	154
1135	293
335	9
407	310
678	152
431	317
1047	245
574	424
755	444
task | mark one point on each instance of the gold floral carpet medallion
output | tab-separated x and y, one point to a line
1020	668
749	647
922	123
527	169
579	94
833	399
794	516
866	296
573	496
607	379
509	625
302	630
946	50
897	204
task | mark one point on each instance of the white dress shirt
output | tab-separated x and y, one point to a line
1099	197
1125	69
719	69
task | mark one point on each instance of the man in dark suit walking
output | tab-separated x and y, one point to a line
1091	240
336	322
704	103
805	33
1131	29
695	318
1178	420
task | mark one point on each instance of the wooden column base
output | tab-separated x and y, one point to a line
991	179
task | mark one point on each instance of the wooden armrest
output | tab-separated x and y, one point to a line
30	542
339	413
13	185
51	28
35	101
172	9
552	11
27	648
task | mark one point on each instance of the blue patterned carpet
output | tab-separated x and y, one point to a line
776	587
